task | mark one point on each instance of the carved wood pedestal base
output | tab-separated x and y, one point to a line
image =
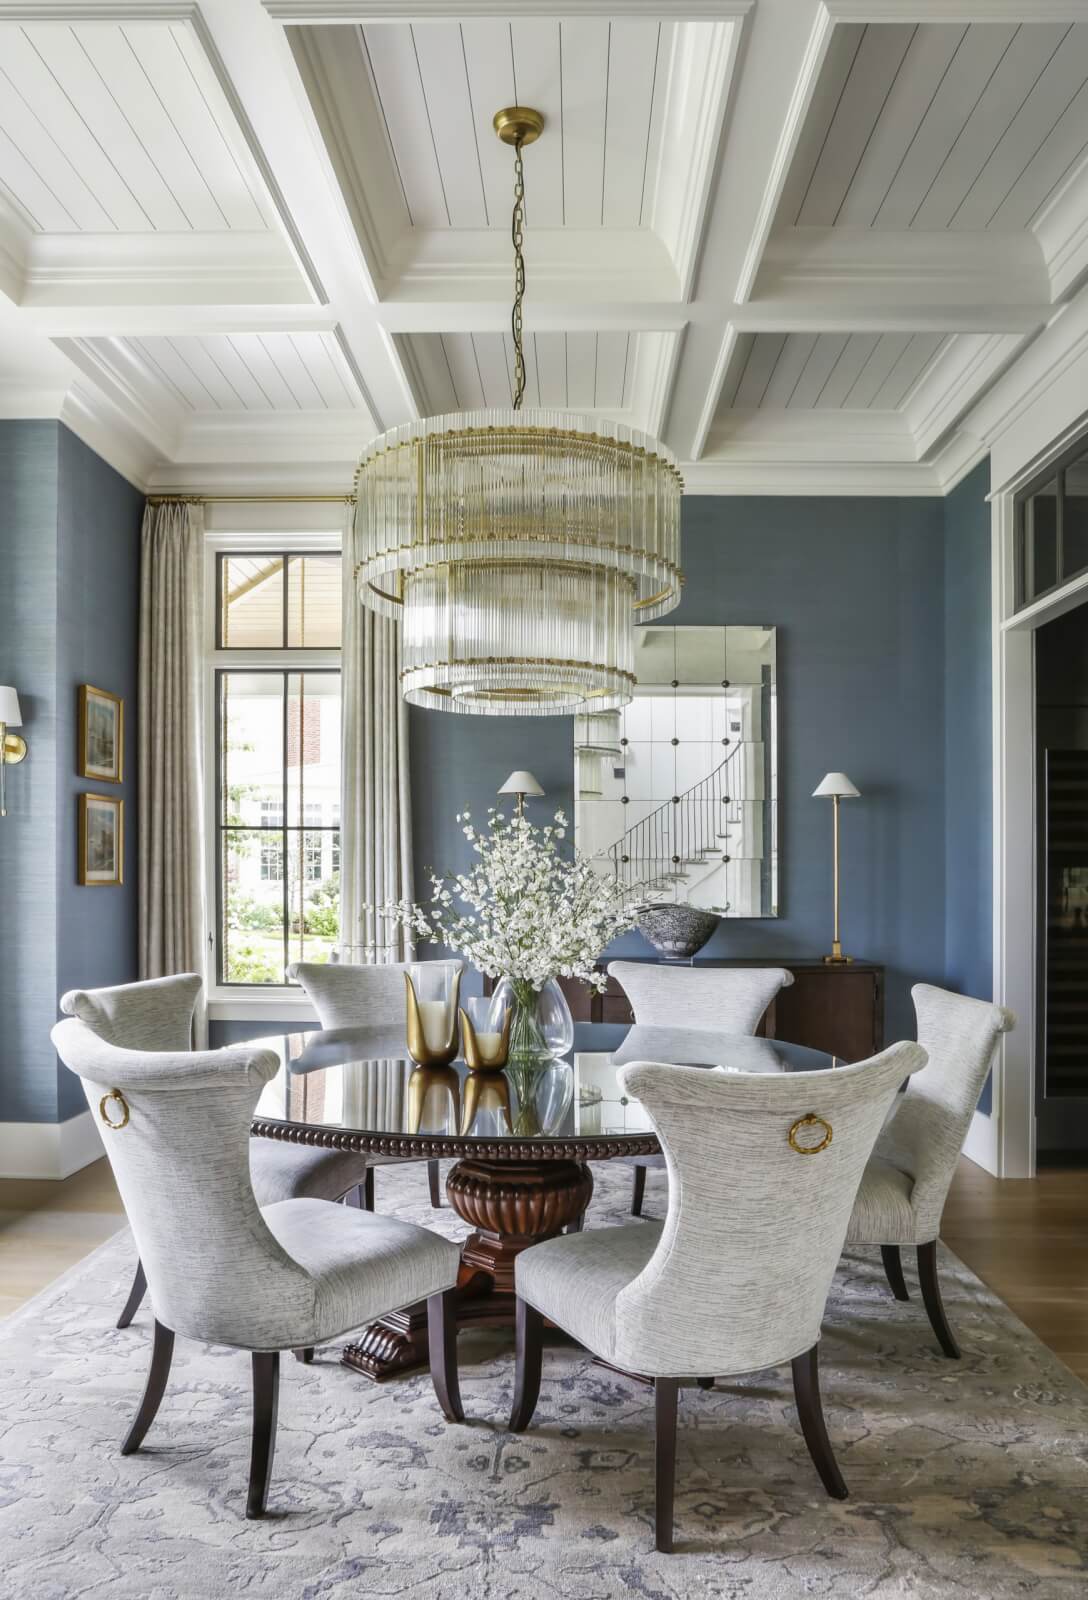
511	1205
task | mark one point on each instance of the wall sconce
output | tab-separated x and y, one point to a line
12	747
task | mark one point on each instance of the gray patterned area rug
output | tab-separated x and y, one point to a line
966	1479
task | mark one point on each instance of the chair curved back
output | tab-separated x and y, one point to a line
156	1014
730	998
926	1133
182	1166
754	1229
352	995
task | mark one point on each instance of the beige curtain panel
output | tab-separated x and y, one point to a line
375	807
171	806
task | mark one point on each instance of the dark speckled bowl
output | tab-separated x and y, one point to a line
677	930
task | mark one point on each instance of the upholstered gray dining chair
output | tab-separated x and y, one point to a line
225	1270
157	1014
763	1170
726	999
906	1183
353	995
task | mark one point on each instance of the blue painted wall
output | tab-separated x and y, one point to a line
856	588
69	542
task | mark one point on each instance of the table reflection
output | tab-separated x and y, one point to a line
361	1079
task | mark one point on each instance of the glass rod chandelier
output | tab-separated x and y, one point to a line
519	547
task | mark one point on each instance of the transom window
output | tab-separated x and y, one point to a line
277	763
1052	529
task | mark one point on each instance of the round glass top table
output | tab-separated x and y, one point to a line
520	1172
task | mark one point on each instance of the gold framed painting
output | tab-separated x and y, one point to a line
101	735
101	840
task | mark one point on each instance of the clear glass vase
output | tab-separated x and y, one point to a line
541	1031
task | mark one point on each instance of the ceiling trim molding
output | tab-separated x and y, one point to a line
794	478
726	353
954	382
962	11
1062	232
98	269
91	417
316	12
803	90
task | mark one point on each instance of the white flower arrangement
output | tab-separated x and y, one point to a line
526	911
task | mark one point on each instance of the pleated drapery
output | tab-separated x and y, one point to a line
375	806
171	802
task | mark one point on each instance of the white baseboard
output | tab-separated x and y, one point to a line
48	1149
980	1145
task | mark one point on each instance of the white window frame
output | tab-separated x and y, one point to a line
243	1002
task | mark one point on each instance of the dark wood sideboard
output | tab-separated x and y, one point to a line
839	1009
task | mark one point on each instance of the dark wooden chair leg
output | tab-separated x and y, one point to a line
266	1393
135	1295
931	1298
442	1342
810	1414
530	1352
368	1190
638	1189
577	1226
893	1270
666	1393
162	1351
705	1383
436	1187
305	1354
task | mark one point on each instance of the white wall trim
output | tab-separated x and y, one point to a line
48	1149
980	1146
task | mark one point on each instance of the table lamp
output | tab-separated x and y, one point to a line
521	784
836	786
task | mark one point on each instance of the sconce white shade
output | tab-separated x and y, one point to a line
9	707
836	783
520	783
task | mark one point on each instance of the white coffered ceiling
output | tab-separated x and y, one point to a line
803	240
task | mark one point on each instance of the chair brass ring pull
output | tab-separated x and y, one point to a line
114	1094
810	1121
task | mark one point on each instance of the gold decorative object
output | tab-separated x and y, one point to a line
811	1120
12	745
478	1060
422	1053
101	845
101	735
114	1094
420	1084
481	1088
836	786
517	546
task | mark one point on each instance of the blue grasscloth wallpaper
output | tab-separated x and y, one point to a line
69	547
857	590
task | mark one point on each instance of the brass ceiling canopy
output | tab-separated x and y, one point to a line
518	547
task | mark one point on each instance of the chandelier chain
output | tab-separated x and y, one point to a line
517	235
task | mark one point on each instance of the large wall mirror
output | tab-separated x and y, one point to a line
677	793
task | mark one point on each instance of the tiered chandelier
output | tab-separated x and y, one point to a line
518	547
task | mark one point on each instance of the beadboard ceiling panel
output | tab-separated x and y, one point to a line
579	371
111	128
439	85
941	126
834	371
247	372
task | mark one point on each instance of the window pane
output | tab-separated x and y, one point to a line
1075	523
251	936
313	602
313	749
314	891
251	602
1042	522
251	749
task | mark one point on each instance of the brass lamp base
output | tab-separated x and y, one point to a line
836	958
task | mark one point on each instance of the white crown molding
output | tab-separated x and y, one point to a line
811	436
697	92
959	455
908	268
313	12
796	111
963	11
95	269
28	402
106	430
262	477
954	381
785	477
123	379
1062	232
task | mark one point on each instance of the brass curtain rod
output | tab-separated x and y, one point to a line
251	499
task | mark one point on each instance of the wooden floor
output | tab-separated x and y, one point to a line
1028	1241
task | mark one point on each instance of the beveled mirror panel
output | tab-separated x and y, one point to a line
678	791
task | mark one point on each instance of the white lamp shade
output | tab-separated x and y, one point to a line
9	707
835	783
521	783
